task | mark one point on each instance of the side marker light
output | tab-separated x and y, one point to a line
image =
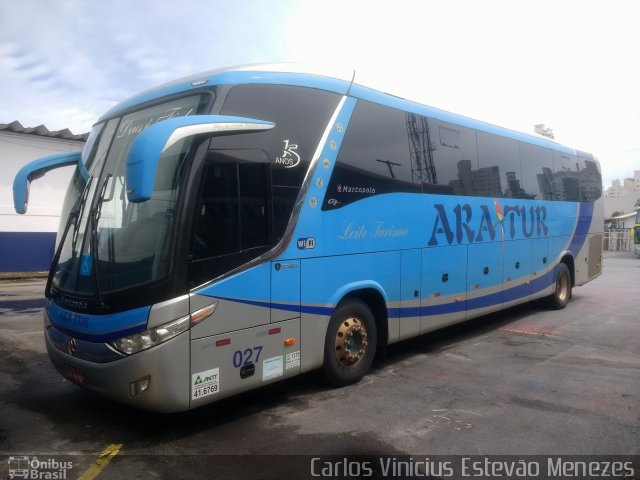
200	315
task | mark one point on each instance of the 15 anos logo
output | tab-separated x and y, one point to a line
289	157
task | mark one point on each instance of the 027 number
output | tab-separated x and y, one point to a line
246	356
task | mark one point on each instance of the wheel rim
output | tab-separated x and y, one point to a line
562	287
351	342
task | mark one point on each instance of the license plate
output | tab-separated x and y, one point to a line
75	375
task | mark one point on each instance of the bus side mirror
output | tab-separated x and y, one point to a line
147	148
36	169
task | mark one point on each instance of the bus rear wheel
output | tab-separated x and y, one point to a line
350	343
562	291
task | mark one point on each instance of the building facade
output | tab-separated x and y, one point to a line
622	196
27	242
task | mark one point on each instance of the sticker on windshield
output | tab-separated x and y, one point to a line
289	157
85	265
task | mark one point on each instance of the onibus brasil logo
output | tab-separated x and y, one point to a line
22	466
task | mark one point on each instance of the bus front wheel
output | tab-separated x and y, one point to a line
562	291
350	343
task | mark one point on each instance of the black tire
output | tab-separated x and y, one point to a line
562	291
350	343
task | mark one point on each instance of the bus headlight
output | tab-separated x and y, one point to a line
150	338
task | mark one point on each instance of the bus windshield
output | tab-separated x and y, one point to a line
113	244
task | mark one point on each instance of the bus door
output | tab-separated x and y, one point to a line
236	344
253	336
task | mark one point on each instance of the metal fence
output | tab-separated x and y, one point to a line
617	241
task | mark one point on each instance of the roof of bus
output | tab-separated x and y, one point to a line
341	81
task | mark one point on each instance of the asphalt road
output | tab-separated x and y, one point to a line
527	381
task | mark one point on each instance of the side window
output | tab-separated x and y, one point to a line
232	223
301	116
537	171
375	156
589	178
423	170
566	185
500	174
455	159
284	199
217	230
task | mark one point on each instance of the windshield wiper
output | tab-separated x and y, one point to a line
74	218
79	210
74	215
95	217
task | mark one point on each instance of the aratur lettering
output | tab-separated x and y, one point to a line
462	225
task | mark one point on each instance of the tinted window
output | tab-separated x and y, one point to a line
301	116
455	158
284	199
218	219
589	178
449	137
420	149
565	185
232	223
375	156
537	171
499	173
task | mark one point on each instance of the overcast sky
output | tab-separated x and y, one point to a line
573	65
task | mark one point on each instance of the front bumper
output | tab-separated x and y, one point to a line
166	365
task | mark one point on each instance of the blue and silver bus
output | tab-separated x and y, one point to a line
246	225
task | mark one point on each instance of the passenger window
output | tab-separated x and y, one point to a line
301	116
499	160
455	159
589	177
566	184
375	156
537	171
449	137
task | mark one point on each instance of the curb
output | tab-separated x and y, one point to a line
23	275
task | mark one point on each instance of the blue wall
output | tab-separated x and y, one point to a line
26	251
